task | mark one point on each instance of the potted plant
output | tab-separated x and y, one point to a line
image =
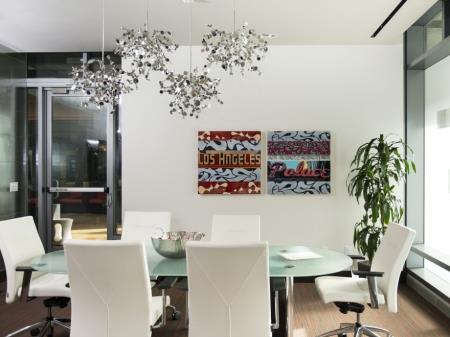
379	166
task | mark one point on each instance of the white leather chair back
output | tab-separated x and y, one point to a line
235	228
390	259
140	226
19	242
228	289
110	291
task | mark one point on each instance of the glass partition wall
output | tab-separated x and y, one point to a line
80	173
13	137
13	140
77	167
427	113
59	162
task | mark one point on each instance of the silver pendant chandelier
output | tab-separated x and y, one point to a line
193	90
242	48
104	85
146	51
102	82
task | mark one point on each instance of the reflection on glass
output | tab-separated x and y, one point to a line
52	65
79	216
12	135
78	144
78	160
434	31
118	178
32	152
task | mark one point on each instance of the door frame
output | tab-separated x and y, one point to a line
46	88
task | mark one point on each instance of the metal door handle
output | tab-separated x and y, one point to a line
109	200
57	186
77	189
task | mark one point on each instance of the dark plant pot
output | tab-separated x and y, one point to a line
364	266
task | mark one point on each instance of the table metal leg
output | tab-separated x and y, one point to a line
289	306
26	284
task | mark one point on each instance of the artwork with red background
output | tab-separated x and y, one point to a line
229	162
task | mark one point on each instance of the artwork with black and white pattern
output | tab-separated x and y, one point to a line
298	162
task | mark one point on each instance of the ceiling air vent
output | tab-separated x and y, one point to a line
389	18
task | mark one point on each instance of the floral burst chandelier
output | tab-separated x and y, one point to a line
241	48
146	51
193	90
103	83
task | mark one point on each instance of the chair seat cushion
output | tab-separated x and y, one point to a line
345	289
49	285
156	308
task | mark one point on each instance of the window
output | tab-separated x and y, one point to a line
437	162
427	110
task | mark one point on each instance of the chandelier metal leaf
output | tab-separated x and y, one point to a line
191	91
102	82
242	48
146	51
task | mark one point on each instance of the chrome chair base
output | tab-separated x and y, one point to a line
44	328
358	330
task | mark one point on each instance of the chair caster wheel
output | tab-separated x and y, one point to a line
35	332
176	315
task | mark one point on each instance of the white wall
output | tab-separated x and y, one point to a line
356	92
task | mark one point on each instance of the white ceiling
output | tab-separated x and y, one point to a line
63	25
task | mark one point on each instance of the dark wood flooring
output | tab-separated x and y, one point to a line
415	318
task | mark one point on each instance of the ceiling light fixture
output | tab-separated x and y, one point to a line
242	48
102	82
146	51
192	90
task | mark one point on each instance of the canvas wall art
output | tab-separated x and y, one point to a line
229	162
298	162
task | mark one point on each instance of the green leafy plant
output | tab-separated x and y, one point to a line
379	166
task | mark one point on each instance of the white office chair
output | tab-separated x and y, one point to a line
229	286
19	243
140	226
111	295
229	229
62	226
235	228
63	230
351	294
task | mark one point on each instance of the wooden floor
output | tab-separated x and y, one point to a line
415	318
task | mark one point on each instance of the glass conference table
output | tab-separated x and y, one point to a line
329	262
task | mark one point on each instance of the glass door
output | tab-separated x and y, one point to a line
79	147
